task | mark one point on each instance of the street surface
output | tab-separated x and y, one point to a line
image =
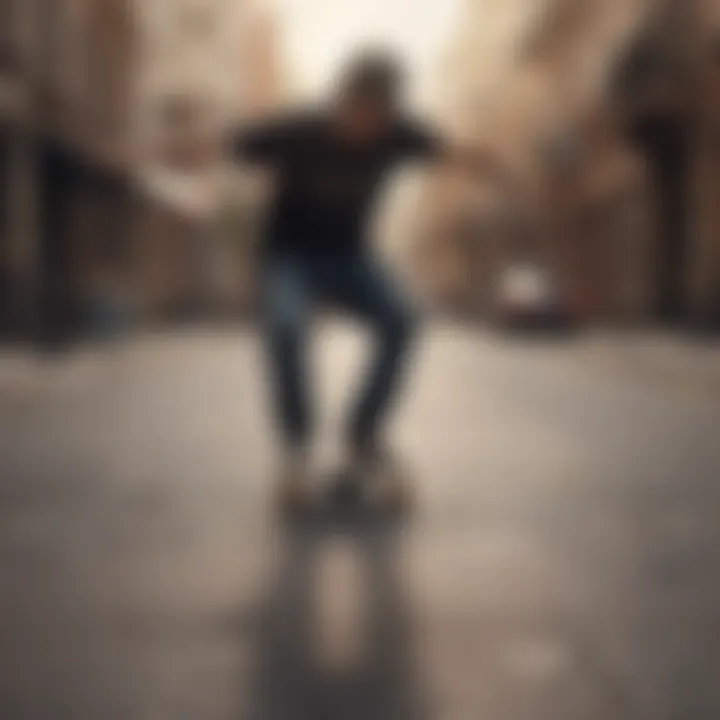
563	563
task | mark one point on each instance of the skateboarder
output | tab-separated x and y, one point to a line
329	162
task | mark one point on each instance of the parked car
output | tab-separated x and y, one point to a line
528	298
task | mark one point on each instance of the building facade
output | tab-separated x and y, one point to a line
90	93
608	111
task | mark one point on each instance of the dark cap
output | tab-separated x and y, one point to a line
374	74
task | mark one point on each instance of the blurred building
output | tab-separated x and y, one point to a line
66	72
205	66
608	110
459	226
90	93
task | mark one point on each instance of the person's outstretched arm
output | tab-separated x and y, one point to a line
475	160
264	142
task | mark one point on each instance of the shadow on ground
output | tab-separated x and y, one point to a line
290	681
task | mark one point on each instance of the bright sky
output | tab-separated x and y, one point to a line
319	34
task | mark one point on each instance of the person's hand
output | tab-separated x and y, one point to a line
189	153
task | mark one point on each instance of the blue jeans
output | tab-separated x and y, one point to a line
292	286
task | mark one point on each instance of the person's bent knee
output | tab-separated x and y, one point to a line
284	310
283	322
400	325
284	330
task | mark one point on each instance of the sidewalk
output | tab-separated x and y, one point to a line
661	355
567	518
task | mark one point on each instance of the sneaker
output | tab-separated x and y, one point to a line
381	477
293	492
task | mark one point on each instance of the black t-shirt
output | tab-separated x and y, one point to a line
326	184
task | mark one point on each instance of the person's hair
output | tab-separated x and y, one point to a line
374	75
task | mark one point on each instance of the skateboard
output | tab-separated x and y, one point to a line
343	497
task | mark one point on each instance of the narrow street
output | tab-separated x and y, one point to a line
562	563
